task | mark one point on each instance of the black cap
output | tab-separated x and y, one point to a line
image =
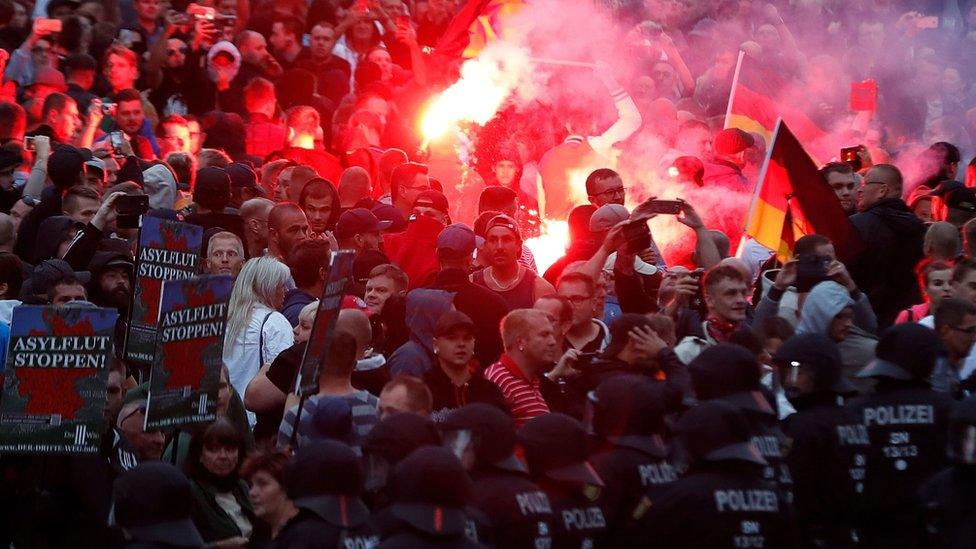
961	198
629	409
504	221
357	221
905	352
431	489
555	447
65	164
153	502
326	478
451	320
399	434
49	271
819	353
493	430
242	176
132	170
10	158
717	431
365	262
212	185
386	212
731	373
433	199
620	329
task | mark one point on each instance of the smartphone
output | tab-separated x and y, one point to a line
697	302
47	26
667	207
584	360
29	143
201	12
638	236
108	109
850	156
810	271
117	140
129	208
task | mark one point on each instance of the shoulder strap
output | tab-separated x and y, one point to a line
261	340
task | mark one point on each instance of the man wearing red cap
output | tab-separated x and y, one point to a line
725	170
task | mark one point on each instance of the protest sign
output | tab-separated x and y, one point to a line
340	275
57	367
189	347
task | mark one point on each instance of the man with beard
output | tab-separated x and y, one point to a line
287	226
111	281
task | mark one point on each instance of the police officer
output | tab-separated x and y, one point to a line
555	450
829	449
950	496
152	504
731	373
519	512
631	454
723	500
431	490
325	481
387	443
906	422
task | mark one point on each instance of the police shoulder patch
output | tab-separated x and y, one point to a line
592	492
642	507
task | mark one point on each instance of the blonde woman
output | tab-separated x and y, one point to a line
256	331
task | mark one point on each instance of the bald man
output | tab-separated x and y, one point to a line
287	226
354	186
255	214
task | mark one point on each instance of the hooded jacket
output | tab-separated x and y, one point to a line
424	309
415	250
893	246
826	300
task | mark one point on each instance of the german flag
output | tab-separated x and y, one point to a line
754	106
792	199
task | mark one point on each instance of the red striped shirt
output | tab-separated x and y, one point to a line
523	396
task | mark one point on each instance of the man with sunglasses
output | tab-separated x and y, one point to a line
892	238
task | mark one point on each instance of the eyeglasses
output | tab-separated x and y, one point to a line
866	183
612	192
579	299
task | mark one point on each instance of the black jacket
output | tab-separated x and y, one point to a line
580	521
315	530
485	307
518	511
907	425
724	504
676	374
885	270
448	397
827	461
950	508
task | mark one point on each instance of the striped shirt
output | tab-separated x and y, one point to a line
523	396
365	414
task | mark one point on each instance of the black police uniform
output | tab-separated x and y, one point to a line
555	448
828	460
949	498
906	423
519	512
330	522
828	443
723	500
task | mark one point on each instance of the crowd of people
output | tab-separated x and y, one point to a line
473	395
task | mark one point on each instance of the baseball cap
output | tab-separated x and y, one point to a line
961	198
459	238
733	141
242	176
153	502
46	76
717	431
451	320
607	217
432	199
359	220
95	163
505	221
386	212
556	446
49	271
212	182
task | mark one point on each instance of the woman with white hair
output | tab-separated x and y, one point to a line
256	332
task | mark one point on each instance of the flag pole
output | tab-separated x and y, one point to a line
759	185
735	82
